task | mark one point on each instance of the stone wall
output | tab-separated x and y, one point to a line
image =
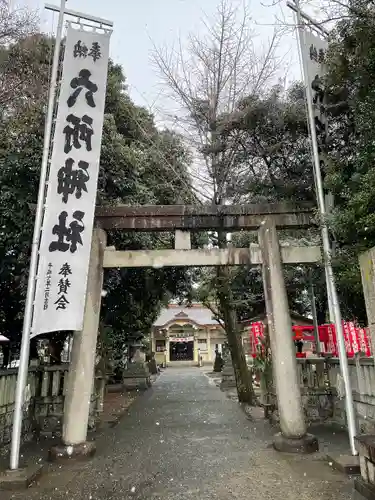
8	379
323	394
44	402
362	377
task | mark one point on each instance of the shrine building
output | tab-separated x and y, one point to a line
181	334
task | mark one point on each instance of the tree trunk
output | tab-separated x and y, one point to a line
322	312
244	384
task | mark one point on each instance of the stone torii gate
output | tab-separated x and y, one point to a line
183	220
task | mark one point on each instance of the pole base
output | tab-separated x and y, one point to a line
348	464
66	453
305	444
11	480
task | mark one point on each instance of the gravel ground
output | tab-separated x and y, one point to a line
184	439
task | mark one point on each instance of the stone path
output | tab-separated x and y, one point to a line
184	439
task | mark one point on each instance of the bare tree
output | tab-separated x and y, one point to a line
15	24
208	79
16	46
324	13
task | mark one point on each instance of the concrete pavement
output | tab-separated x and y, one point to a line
184	439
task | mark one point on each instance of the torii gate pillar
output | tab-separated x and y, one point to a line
79	385
293	436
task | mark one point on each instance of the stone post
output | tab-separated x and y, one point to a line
80	380
365	484
209	351
167	352
101	393
137	374
293	436
228	377
367	265
153	341
196	352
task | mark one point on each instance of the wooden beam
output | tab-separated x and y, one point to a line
213	257
166	210
201	218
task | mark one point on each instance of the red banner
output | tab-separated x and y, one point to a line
348	340
332	342
354	337
256	333
365	341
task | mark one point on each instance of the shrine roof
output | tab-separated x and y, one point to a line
199	315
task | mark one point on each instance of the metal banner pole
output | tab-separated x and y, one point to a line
322	32
329	299
352	430
314	315
27	321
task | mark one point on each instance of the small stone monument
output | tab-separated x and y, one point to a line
218	364
152	365
228	378
137	374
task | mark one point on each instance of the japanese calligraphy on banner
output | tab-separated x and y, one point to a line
348	339
256	334
356	340
365	341
314	52
70	204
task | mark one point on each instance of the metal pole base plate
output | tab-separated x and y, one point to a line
20	478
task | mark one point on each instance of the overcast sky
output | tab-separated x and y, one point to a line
141	23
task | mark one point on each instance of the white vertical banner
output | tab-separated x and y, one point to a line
72	185
313	51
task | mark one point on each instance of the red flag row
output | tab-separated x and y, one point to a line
357	339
